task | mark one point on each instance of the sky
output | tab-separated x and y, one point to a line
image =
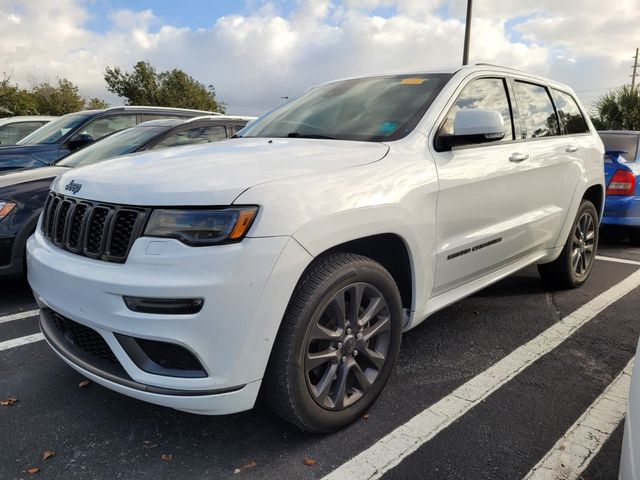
256	51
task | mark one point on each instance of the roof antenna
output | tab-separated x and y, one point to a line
467	34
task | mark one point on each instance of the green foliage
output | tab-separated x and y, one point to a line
619	110
174	88
95	103
43	99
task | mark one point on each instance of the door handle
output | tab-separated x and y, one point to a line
518	157
571	149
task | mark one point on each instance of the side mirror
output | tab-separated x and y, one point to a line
79	140
474	125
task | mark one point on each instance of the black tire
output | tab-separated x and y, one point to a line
328	286
634	236
562	273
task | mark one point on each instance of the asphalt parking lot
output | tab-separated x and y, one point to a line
500	428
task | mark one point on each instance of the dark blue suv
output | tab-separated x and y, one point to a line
60	137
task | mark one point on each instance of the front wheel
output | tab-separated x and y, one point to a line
572	268
337	345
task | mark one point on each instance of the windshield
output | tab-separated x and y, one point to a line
53	131
119	143
622	142
370	109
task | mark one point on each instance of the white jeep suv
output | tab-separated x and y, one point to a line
288	261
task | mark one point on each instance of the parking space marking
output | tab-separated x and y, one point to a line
18	316
389	451
617	260
571	455
18	342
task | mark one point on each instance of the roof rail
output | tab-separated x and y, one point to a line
134	107
483	64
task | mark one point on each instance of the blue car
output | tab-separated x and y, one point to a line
621	170
68	133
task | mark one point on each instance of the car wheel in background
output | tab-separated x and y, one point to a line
337	344
572	268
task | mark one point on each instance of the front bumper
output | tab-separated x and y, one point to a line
242	287
621	210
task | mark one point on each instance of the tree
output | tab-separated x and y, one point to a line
57	100
95	103
15	100
174	88
619	109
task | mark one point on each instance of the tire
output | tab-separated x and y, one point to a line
566	272
303	387
634	236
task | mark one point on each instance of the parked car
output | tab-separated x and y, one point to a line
23	192
60	137
13	129
291	260
621	169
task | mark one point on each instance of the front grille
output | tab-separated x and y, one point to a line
92	229
84	338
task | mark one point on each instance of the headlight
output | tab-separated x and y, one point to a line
200	227
5	208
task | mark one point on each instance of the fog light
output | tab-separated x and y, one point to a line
164	306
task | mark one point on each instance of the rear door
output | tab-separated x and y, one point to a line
484	201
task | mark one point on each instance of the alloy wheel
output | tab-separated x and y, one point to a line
583	247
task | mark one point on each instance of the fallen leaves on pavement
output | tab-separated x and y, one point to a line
249	466
147	445
167	457
48	454
33	470
84	383
308	461
7	402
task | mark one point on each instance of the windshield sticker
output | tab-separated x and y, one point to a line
388	127
413	81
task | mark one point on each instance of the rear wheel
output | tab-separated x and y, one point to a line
337	344
572	268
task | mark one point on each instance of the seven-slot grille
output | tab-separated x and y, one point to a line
92	229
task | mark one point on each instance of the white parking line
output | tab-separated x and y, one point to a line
389	451
617	260
571	455
18	342
18	316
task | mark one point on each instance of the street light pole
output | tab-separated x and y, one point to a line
467	34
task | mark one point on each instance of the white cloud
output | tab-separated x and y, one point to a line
254	59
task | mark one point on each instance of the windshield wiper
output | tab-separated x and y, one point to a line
310	135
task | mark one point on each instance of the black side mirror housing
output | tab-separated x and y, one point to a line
78	141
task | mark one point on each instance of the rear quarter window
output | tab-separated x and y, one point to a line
571	118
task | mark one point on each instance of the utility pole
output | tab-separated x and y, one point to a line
467	35
635	69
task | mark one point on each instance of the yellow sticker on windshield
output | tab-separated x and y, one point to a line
413	81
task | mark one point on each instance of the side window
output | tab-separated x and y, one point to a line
489	93
536	111
571	117
13	132
191	136
106	125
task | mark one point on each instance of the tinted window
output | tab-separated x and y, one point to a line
487	93
369	109
621	142
537	115
120	143
192	136
571	117
53	131
106	125
13	132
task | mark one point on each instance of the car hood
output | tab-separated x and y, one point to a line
17	177
212	174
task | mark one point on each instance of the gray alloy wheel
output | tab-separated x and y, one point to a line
583	249
347	346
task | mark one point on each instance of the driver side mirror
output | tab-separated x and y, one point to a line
474	125
79	140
